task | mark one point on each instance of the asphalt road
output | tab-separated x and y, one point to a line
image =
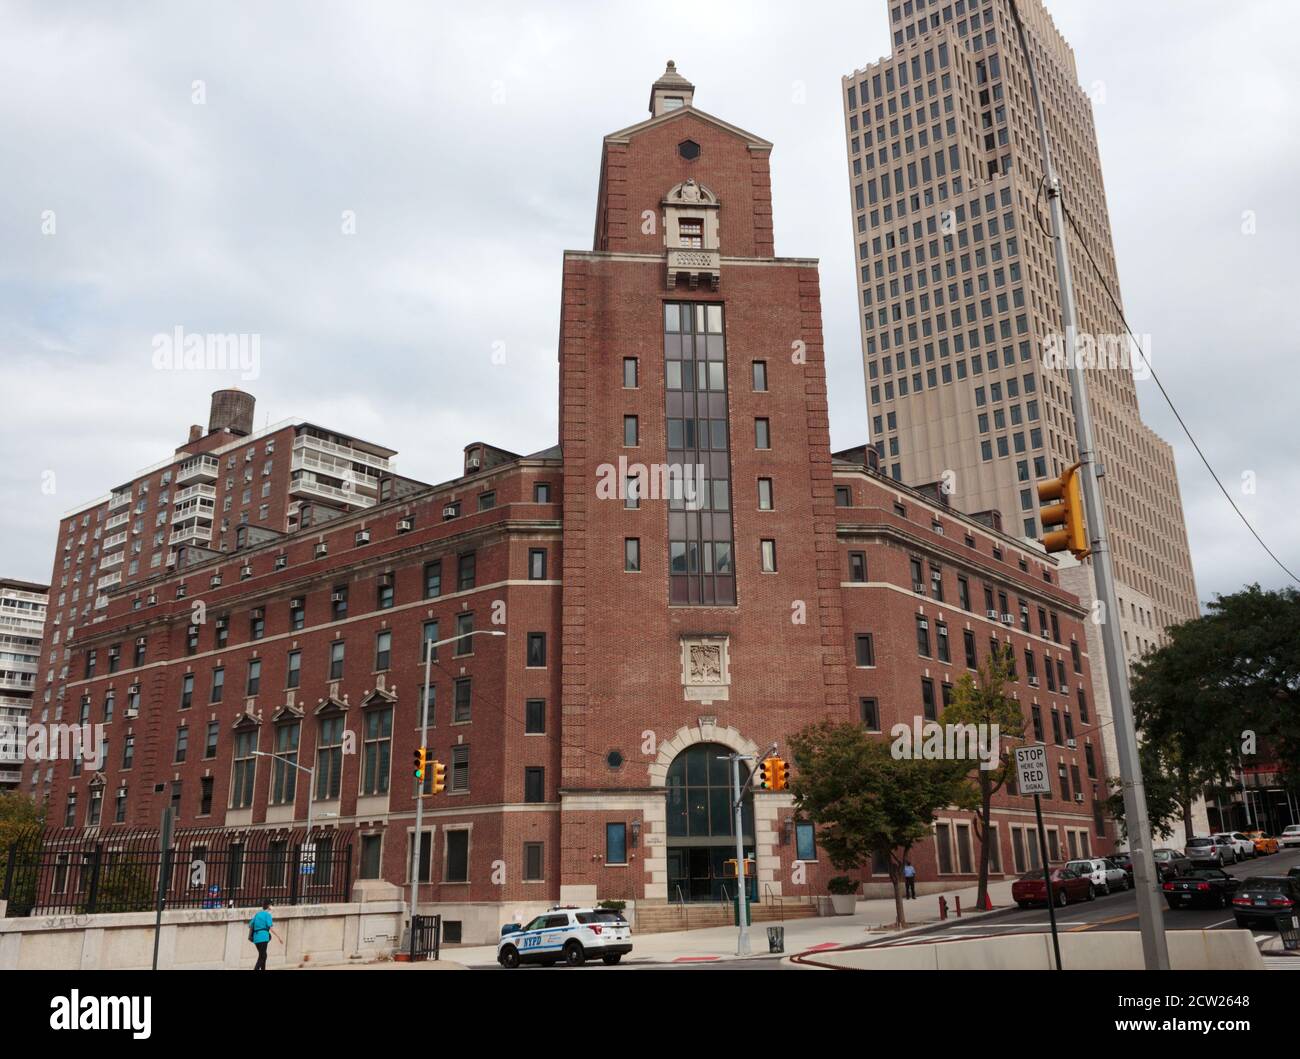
1115	912
1119	911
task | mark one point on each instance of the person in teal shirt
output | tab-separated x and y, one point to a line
259	933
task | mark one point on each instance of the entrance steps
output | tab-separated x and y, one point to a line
659	917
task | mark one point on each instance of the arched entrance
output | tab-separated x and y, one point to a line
700	825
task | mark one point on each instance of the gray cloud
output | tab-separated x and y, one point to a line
466	141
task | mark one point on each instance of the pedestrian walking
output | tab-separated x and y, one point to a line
909	880
260	932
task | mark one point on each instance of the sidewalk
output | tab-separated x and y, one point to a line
716	944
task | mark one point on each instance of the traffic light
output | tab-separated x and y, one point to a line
438	781
764	775
780	773
421	760
729	868
1066	513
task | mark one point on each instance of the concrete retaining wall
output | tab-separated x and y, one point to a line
1091	950
201	939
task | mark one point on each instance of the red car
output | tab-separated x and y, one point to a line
1030	889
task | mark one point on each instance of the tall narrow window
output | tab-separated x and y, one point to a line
377	759
701	569
284	777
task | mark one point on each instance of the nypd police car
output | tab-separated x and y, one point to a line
566	933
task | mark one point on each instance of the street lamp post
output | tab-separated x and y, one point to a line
429	647
311	785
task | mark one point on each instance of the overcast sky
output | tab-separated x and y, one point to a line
465	141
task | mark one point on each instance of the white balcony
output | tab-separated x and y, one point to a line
200	508
202	489
359	480
109	580
119	498
305	483
112	560
114	541
199	469
344	452
117	520
193	533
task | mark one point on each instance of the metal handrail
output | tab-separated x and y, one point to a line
779	901
681	903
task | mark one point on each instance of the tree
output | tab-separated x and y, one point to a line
1166	792
1220	685
982	700
864	800
19	816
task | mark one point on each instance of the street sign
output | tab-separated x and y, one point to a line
1031	770
308	862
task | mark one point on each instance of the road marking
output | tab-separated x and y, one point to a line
1104	922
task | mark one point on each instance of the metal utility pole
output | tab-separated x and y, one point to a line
1155	951
418	844
738	801
164	877
1047	877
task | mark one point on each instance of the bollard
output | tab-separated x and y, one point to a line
943	907
957	902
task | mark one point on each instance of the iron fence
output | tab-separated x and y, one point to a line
51	871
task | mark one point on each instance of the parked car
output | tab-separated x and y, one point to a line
1104	876
1265	845
566	933
1210	851
1262	899
1201	887
1123	860
1290	835
1067	886
1171	863
1241	845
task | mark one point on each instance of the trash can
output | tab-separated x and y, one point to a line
1288	926
776	939
735	912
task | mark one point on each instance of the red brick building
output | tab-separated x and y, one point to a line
690	572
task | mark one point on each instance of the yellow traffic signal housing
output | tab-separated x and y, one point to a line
729	868
421	759
780	774
438	781
1066	514
765	776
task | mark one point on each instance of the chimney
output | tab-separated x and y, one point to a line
232	412
196	432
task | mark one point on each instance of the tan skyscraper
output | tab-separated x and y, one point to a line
958	292
958	287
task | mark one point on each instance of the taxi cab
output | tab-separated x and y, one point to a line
1264	844
567	933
